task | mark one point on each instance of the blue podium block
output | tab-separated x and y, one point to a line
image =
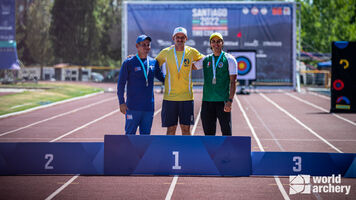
294	163
52	158
177	155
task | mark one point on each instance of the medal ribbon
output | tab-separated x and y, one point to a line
144	69
181	63
216	65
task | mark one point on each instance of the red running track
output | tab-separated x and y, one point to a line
275	120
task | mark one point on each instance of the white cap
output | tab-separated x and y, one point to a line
180	30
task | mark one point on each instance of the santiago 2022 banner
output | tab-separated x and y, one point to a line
267	28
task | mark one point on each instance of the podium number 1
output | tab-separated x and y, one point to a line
176	160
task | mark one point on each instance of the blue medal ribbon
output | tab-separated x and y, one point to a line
179	67
144	69
216	65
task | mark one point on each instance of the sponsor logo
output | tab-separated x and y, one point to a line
286	11
277	11
305	184
254	11
251	44
272	43
263	11
245	10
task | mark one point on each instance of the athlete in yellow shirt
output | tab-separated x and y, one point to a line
178	96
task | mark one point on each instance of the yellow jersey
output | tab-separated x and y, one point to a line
178	83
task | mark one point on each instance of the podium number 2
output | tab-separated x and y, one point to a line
298	164
176	160
49	158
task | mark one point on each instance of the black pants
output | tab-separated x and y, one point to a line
211	111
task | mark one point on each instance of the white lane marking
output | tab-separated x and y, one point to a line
159	110
266	127
171	188
175	178
319	95
249	124
62	187
281	188
25	104
300	123
196	122
320	108
49	105
56	116
276	178
85	125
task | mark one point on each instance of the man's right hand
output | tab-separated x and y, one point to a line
123	108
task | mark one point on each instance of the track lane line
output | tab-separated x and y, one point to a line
62	187
49	105
56	116
276	178
175	178
320	108
300	123
85	125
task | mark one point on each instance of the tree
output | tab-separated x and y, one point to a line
37	40
324	21
80	31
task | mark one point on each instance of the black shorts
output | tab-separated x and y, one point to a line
210	111
174	110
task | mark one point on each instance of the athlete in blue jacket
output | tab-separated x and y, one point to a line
137	73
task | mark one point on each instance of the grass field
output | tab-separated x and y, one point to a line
41	94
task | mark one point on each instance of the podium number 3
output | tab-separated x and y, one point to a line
49	158
176	160
298	164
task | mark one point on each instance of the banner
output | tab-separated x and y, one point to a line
8	53
268	28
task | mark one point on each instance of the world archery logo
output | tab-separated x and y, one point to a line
243	65
221	64
299	184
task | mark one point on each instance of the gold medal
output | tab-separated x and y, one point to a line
178	75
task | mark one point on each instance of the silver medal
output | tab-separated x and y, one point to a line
214	81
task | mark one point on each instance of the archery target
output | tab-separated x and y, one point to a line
246	64
243	65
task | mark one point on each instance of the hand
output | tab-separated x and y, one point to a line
123	108
227	107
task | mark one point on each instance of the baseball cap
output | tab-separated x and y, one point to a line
180	30
142	38
216	34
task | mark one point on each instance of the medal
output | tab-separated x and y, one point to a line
178	75
215	66
214	81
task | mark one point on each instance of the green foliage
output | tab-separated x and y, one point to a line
80	31
324	21
38	24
